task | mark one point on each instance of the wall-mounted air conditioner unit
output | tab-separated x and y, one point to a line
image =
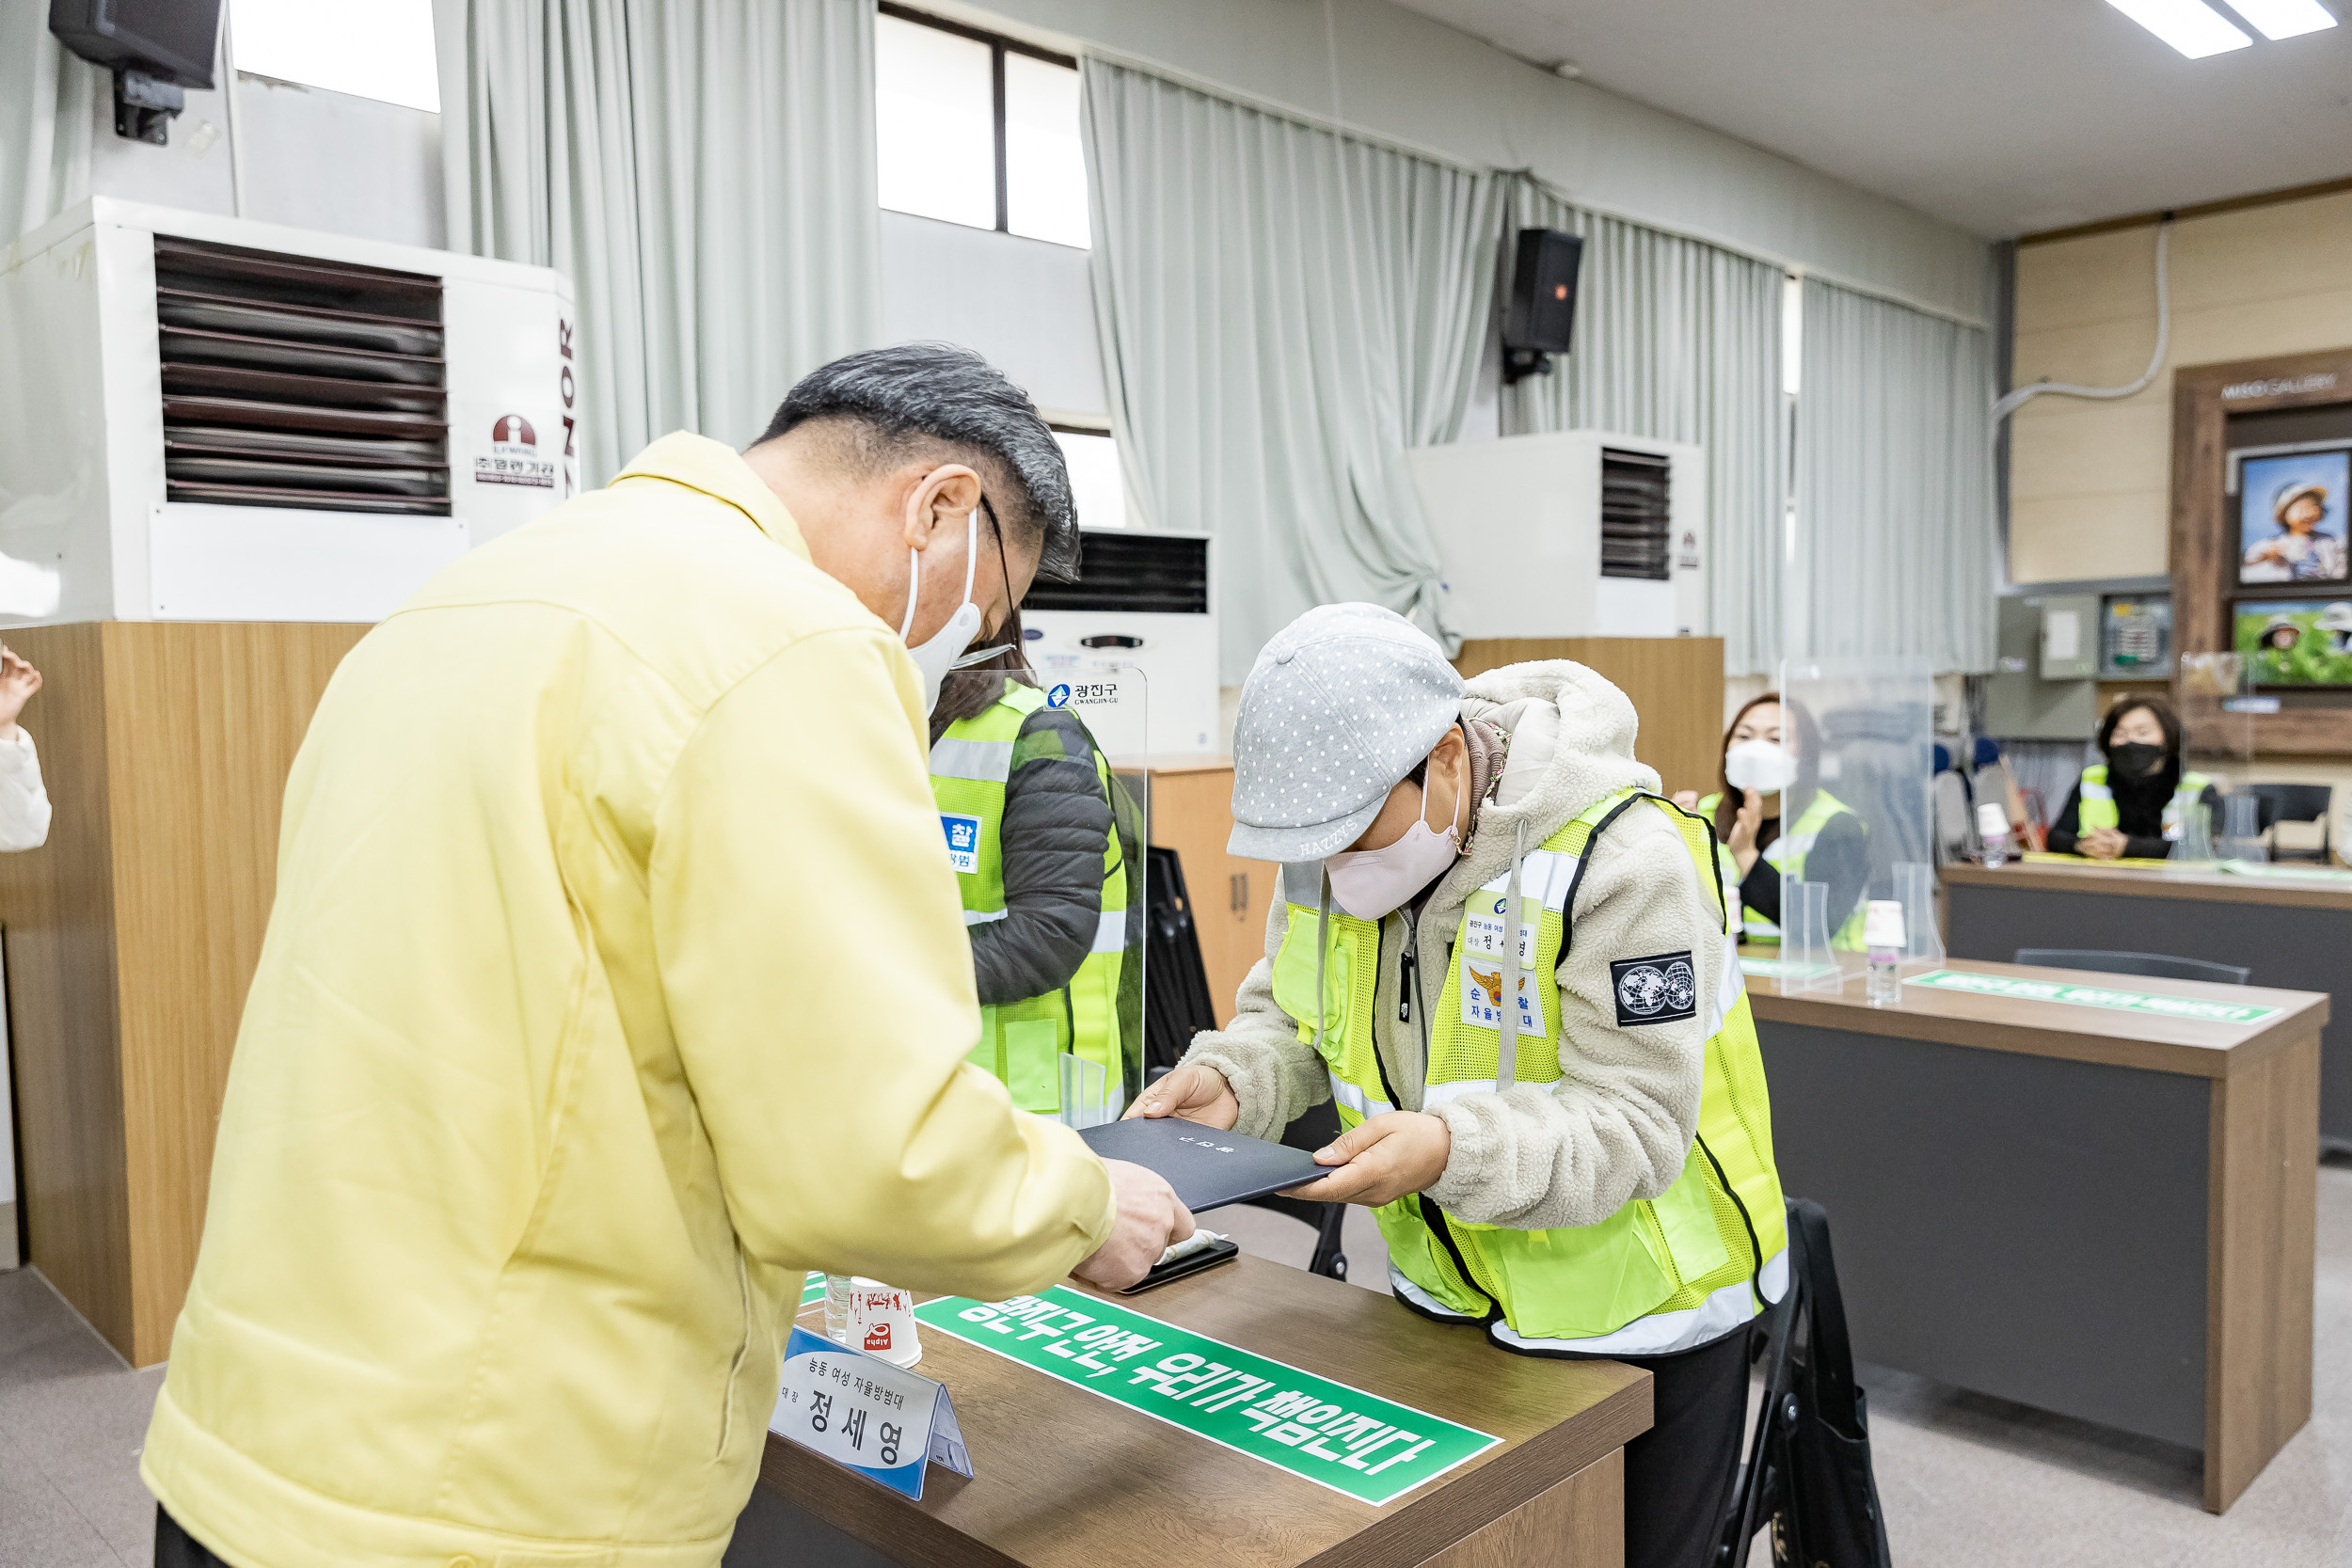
1143	600
1575	533
210	420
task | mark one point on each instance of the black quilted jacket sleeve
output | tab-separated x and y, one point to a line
1058	823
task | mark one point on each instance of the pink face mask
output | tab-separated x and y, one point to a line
1368	883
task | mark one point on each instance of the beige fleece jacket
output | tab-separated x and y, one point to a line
1618	1123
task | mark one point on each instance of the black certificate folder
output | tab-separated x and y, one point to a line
1208	1168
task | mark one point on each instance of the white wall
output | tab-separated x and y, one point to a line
1025	303
349	165
314	159
1405	77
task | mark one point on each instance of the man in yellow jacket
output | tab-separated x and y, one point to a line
615	980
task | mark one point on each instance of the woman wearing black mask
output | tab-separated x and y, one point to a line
2133	805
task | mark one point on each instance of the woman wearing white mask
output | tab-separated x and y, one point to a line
1506	958
1828	843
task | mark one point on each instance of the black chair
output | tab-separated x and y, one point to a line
1311	1132
2295	803
2155	965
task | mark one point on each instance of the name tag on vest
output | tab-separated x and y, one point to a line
1483	979
963	841
1483	928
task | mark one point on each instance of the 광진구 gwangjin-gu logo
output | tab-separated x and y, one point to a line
1663	989
513	456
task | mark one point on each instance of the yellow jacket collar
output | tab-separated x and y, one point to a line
717	470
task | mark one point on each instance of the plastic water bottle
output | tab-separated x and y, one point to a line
1883	935
1992	828
839	1290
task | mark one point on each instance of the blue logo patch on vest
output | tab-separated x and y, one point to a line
1660	989
1057	697
963	841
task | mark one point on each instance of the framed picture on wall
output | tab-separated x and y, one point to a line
2296	643
2291	518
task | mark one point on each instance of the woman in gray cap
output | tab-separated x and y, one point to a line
1566	1135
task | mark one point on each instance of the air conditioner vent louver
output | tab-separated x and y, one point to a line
1146	572
290	381
1636	534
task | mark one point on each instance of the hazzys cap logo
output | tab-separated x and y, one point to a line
1663	989
513	456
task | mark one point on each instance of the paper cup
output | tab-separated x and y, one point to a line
881	1323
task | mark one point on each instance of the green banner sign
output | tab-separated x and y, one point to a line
1783	968
2295	873
2196	1008
1371	1448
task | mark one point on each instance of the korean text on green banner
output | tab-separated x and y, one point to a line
2199	1009
1371	1448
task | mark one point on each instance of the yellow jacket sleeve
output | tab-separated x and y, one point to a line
819	985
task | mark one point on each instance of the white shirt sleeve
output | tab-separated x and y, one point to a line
24	803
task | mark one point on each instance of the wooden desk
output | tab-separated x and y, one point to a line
1068	1480
2104	1213
2289	933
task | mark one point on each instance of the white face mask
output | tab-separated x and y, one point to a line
1759	766
940	653
1368	883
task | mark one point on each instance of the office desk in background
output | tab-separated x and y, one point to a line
1065	1479
2104	1213
2290	933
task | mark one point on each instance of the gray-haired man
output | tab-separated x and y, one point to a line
1507	957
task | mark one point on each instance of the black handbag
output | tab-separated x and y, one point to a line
1808	1473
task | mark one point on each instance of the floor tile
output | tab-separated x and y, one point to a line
38	1527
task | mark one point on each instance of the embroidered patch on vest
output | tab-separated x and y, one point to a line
963	841
1660	989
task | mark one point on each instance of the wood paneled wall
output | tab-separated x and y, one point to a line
133	934
2090	479
1676	684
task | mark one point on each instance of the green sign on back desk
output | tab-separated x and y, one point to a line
1371	1448
2195	1008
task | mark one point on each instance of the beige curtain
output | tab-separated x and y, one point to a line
1679	340
1284	310
1894	544
48	104
704	172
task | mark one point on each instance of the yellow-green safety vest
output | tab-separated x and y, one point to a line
1022	1042
2096	808
1786	855
1660	1274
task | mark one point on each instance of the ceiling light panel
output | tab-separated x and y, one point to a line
2284	19
2191	26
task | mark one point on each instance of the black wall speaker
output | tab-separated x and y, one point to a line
1541	316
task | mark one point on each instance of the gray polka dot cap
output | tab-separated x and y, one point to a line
1341	704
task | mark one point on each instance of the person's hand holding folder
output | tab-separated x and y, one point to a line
1384	1157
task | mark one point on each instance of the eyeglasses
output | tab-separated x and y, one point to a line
973	657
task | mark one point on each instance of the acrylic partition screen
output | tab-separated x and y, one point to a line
1860	732
1058	953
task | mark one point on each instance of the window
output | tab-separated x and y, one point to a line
1097	483
380	49
977	129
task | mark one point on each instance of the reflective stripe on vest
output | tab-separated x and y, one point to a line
2096	807
1670	1271
1787	854
1022	1042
